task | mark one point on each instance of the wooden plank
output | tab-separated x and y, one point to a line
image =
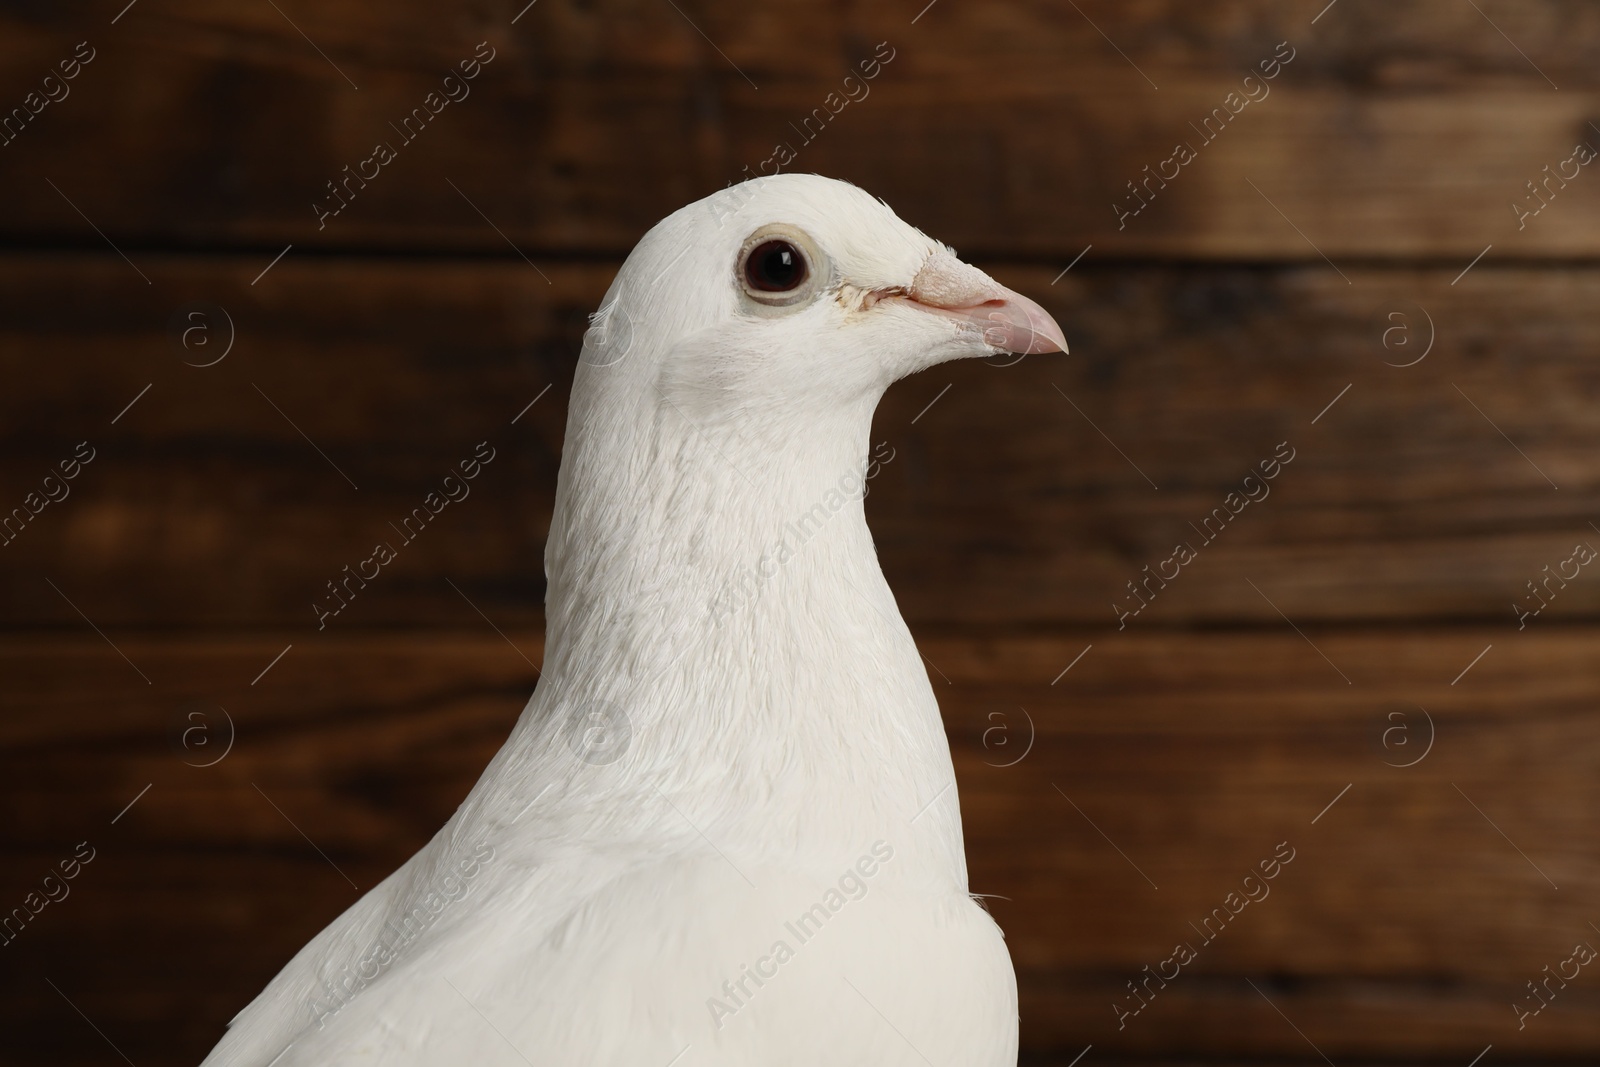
1405	925
1019	497
1408	132
410	396
1400	931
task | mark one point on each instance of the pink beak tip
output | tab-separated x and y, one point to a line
1007	320
1037	331
1013	323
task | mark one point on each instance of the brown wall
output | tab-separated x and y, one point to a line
1297	260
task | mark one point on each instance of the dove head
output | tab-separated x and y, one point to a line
796	292
729	379
727	386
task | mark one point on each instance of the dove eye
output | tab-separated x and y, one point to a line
780	269
775	267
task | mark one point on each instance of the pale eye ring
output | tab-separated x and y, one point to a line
780	268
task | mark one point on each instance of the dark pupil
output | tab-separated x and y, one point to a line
775	267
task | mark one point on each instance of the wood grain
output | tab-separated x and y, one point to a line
1405	924
1271	292
1024	495
1390	133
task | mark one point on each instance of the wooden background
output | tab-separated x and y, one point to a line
1332	630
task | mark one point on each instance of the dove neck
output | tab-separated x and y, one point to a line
719	585
698	524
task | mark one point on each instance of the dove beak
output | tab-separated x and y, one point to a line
1005	320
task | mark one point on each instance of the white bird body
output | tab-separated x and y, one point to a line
733	730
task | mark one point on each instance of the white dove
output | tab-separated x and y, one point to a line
725	829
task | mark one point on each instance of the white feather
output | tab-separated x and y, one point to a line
773	739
